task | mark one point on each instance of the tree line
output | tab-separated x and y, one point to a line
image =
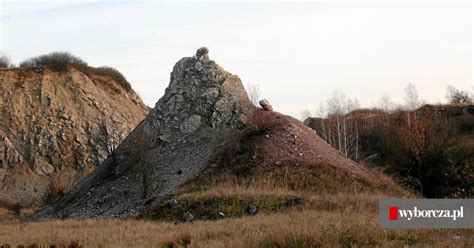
428	148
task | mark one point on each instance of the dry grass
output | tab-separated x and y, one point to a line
341	214
307	228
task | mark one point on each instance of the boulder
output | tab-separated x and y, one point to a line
188	217
266	105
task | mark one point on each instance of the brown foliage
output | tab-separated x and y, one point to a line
429	154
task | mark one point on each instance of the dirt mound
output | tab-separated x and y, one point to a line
286	140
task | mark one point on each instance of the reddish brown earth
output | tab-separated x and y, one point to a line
288	141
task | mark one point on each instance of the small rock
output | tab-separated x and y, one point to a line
457	237
278	163
202	53
171	203
188	217
252	209
164	138
267	136
266	105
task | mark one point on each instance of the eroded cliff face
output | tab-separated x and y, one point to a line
56	127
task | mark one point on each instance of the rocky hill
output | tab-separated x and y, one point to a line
56	127
205	120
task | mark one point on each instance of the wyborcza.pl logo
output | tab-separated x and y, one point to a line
409	214
426	213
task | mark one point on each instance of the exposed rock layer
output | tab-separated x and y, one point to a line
56	127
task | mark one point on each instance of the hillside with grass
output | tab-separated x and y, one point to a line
208	168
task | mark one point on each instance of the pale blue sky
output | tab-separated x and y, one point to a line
298	53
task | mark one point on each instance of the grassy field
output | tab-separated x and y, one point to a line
307	228
299	207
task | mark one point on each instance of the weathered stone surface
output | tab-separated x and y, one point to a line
202	53
266	105
52	129
188	217
202	109
191	124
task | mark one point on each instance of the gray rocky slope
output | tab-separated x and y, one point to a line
201	110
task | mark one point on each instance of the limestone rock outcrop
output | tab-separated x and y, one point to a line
202	109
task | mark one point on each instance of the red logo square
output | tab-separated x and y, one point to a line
393	213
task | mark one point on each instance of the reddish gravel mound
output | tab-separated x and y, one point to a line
286	141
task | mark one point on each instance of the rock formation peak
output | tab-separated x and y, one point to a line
204	120
202	109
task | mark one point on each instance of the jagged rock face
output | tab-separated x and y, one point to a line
201	110
56	127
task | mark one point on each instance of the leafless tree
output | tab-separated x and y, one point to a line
386	104
412	101
456	96
5	61
254	93
339	129
305	114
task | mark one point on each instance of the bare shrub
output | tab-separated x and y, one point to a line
107	71
458	97
58	61
5	61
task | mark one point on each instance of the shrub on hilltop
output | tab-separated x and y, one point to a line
107	72
5	61
59	61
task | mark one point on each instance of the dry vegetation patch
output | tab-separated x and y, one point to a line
307	228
